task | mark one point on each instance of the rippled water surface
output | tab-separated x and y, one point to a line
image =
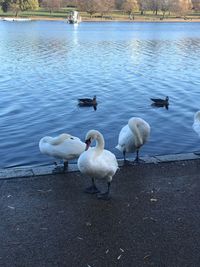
46	66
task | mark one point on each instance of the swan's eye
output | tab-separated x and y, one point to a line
72	138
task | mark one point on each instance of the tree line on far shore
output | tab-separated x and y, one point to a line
104	7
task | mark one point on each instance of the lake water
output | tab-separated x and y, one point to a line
45	66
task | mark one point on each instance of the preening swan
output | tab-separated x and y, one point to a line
97	162
64	146
132	136
196	124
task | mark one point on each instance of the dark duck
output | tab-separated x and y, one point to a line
88	102
160	102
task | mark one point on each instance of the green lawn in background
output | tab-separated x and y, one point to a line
115	15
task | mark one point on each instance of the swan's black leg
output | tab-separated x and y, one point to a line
65	166
92	189
137	159
125	160
58	169
124	154
106	195
137	156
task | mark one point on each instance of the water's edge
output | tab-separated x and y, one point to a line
33	171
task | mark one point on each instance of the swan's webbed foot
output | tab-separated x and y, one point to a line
65	166
134	162
137	161
92	190
60	169
127	162
104	196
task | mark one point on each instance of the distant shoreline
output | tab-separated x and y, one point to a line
115	19
122	20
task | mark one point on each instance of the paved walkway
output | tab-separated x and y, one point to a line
153	218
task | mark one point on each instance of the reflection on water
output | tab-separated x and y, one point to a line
91	106
160	105
47	66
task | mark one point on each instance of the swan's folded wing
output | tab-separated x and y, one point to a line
196	127
107	162
124	134
71	148
126	140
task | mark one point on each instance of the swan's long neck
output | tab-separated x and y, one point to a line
99	143
133	125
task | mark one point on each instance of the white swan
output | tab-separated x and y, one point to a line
132	136
97	162
64	146
196	124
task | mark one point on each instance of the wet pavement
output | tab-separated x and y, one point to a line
152	219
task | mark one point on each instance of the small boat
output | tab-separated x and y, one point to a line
161	102
74	17
16	19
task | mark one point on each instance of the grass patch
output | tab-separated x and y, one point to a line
115	15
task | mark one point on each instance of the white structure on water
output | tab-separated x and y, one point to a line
74	17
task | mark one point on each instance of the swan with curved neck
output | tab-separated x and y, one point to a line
133	136
65	147
196	124
97	163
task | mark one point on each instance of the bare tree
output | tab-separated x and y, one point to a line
16	6
186	5
155	6
105	6
143	5
180	6
164	7
130	6
196	4
51	5
118	4
89	6
70	3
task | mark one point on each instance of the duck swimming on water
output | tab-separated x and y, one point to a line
87	101
159	101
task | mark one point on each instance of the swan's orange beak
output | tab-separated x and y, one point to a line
88	142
